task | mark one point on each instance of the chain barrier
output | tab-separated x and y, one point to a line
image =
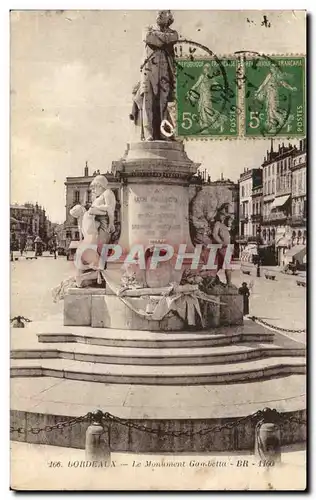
107	418
49	428
277	328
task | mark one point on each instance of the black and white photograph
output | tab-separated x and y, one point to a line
158	250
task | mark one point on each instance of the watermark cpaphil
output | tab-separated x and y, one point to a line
99	255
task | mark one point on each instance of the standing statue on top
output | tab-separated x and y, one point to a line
153	95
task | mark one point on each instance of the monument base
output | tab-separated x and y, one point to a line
100	309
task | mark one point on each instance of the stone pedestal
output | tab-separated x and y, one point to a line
94	307
155	180
110	312
231	308
211	313
231	312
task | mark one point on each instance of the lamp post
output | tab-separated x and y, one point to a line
258	248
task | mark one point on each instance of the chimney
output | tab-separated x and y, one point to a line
86	170
271	149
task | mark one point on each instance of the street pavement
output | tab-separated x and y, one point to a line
280	302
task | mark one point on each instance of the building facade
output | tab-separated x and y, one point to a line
277	206
26	223
257	208
299	199
277	199
249	180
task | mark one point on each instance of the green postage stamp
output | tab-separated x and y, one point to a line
274	96
242	96
207	98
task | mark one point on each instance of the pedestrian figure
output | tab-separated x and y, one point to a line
245	292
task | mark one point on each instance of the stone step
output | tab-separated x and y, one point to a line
52	332
75	398
159	375
154	356
37	402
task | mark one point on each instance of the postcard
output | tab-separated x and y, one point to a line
158	247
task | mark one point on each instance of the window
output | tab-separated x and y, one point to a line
269	187
77	235
76	196
68	234
242	191
272	169
269	170
89	196
273	186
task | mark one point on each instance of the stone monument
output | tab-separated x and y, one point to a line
141	311
149	284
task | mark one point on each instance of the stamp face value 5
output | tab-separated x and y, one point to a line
274	96
207	98
242	96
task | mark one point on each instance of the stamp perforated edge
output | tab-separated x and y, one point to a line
241	135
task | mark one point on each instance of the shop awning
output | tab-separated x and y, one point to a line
298	251
280	201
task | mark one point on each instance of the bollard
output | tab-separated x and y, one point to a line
98	440
268	438
17	322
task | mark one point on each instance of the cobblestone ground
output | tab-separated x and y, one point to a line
280	302
31	286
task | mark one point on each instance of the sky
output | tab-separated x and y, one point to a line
72	73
